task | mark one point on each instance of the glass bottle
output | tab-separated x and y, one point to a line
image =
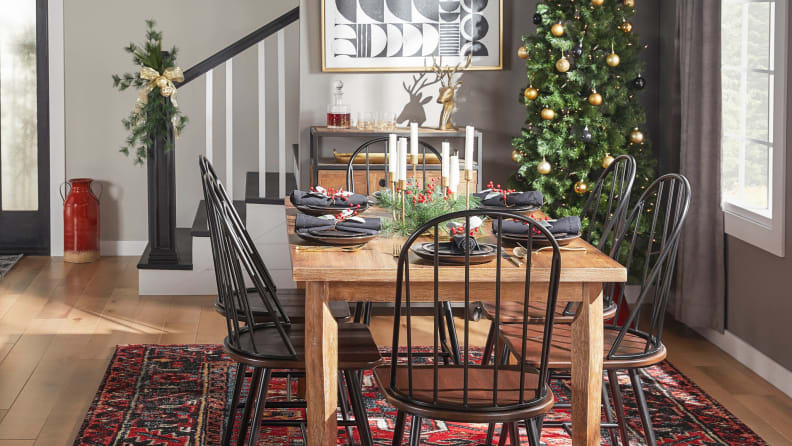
338	114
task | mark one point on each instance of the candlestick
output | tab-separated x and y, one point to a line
392	182
468	180
402	187
469	135
444	185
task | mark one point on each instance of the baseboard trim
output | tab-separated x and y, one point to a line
749	356
122	247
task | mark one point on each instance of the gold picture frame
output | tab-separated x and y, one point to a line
473	67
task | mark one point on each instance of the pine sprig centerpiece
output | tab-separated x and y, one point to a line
156	112
420	206
581	99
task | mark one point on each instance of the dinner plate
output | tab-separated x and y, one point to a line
335	237
509	208
318	211
484	254
541	241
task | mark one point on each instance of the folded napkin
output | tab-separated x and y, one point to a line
369	226
458	244
319	199
565	225
531	198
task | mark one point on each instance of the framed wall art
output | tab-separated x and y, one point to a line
403	35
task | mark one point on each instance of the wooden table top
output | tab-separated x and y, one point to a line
375	262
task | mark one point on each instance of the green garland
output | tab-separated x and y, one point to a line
421	206
157	115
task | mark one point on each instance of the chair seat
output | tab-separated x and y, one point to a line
560	356
293	305
356	348
512	312
450	385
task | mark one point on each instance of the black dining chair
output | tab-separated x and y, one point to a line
647	245
603	214
274	342
467	391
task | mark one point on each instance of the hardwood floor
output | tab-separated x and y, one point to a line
59	325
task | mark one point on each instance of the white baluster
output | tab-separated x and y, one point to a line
229	130
281	115
262	121
209	110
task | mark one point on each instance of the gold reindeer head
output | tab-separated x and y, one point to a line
448	86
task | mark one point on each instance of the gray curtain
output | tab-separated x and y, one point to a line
699	299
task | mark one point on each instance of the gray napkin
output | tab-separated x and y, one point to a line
307	223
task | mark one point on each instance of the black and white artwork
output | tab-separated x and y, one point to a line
402	35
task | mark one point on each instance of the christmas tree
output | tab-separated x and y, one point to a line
584	74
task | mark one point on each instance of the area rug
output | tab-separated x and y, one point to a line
174	395
8	262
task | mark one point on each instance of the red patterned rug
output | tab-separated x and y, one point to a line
174	395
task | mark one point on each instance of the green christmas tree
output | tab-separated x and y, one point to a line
581	100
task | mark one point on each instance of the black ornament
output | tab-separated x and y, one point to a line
519	177
537	19
576	51
639	82
585	135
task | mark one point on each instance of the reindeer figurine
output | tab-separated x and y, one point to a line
448	87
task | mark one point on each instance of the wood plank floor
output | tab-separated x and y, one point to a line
59	324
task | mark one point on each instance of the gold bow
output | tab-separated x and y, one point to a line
162	81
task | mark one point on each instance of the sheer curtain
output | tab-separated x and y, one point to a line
699	299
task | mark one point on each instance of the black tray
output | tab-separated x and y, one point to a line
318	211
484	254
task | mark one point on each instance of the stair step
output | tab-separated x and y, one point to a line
183	252
200	227
252	188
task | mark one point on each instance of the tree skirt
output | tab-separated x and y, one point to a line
179	395
8	262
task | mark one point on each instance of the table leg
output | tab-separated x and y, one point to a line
321	363
587	331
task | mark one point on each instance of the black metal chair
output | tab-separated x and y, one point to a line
292	304
273	341
604	215
653	228
467	391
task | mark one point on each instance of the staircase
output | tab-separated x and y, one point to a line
262	208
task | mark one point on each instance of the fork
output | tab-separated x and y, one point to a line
352	248
397	248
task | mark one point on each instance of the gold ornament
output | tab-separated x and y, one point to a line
548	114
162	81
581	187
607	160
595	98
626	27
562	65
544	167
597	2
557	30
516	157
531	93
523	52
629	3
613	60
636	136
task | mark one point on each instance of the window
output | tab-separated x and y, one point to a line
753	85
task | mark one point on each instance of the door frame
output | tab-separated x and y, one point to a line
57	120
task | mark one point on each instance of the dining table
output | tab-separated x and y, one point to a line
369	274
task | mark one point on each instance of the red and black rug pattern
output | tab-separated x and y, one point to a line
178	395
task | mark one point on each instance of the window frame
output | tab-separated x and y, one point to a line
766	230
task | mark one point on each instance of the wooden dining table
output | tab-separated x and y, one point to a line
369	274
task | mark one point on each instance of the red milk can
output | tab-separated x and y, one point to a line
80	223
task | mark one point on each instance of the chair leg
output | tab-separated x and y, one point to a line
367	313
504	435
261	399
249	402
514	434
504	358
240	381
490	434
359	307
489	345
343	401
613	380
415	430
448	312
608	414
534	431
398	429
358	407
442	332
640	398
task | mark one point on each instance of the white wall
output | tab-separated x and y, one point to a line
96	32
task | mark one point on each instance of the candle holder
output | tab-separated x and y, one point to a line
444	186
402	187
468	180
392	182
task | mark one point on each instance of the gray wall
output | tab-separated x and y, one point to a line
94	51
759	301
487	99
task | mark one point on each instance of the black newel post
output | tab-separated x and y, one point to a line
161	170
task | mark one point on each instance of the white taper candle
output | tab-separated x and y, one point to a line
393	155
453	182
402	159
446	153
414	139
470	134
